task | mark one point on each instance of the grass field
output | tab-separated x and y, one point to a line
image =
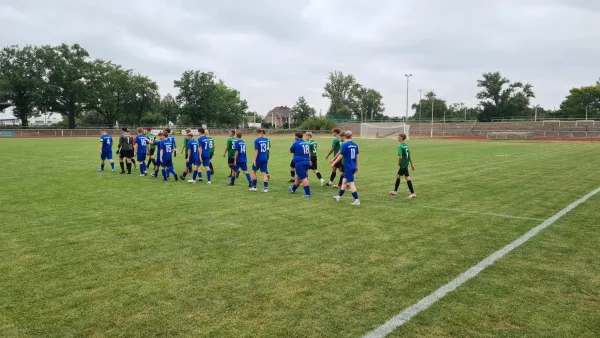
88	254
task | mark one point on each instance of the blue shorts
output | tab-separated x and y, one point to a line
106	155
194	161
241	165
167	162
141	157
349	174
302	169
262	165
206	161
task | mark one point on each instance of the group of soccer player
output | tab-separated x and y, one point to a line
160	150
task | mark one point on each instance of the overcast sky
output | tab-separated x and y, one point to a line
274	51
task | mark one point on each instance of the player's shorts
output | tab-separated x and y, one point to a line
186	155
126	154
141	157
167	163
230	161
206	161
349	175
339	165
262	165
302	169
211	155
293	164
403	172
152	151
313	160
106	155
241	166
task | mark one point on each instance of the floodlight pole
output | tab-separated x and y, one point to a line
407	78
432	103
420	104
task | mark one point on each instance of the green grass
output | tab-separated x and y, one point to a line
99	254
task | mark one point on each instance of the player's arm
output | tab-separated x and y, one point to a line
337	159
329	153
357	161
412	166
399	160
101	143
235	157
255	155
189	153
227	146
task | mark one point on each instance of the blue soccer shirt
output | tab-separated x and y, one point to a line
301	151
349	151
240	147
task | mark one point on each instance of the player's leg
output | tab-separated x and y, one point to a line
210	164
354	193
234	170
398	177
206	162
292	171
341	176
254	178
195	174
128	160
172	171
410	186
332	177
133	162
265	173
200	169
121	164
244	167
102	158
164	171
315	169
142	160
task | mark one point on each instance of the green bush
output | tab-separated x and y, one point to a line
317	124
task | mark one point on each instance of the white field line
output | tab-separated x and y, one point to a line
465	211
481	213
411	311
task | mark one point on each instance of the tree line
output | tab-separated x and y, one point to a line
64	79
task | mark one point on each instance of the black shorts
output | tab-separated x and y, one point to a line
339	165
403	172
293	164
152	152
313	160
126	154
186	155
211	155
230	161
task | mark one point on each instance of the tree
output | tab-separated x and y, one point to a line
370	104
229	107
581	99
499	97
143	96
109	91
22	81
168	109
301	111
342	91
66	88
196	96
439	107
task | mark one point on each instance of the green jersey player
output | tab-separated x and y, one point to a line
404	160
312	144
152	147
230	150
335	148
211	144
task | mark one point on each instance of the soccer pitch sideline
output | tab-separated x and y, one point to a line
100	254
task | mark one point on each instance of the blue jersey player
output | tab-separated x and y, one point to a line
240	160
261	148
301	151
171	138
205	149
141	148
106	143
349	153
193	156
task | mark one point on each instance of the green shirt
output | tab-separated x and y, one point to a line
152	138
268	146
343	159
211	145
336	145
185	141
405	153
231	147
313	148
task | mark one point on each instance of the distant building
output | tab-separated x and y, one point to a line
8	119
279	116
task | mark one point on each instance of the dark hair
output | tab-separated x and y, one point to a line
299	134
260	131
168	130
232	132
201	130
402	136
336	130
239	134
189	135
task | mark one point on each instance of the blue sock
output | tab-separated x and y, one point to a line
155	172
232	179
184	174
172	171
249	178
195	175
200	174
208	175
254	182
265	185
142	167
102	167
294	187
164	173
112	165
341	193
355	195
307	190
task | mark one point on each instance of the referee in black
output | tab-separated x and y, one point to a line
125	149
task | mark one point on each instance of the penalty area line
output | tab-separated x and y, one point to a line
481	213
411	311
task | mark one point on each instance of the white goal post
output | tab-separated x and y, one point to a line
383	130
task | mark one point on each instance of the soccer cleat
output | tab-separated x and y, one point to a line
208	182
164	179
176	178
142	175
291	190
328	184
200	180
336	198
265	190
393	193
322	182
113	170
181	177
230	185
292	180
307	196
356	202
122	173
192	181
412	196
100	170
252	189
